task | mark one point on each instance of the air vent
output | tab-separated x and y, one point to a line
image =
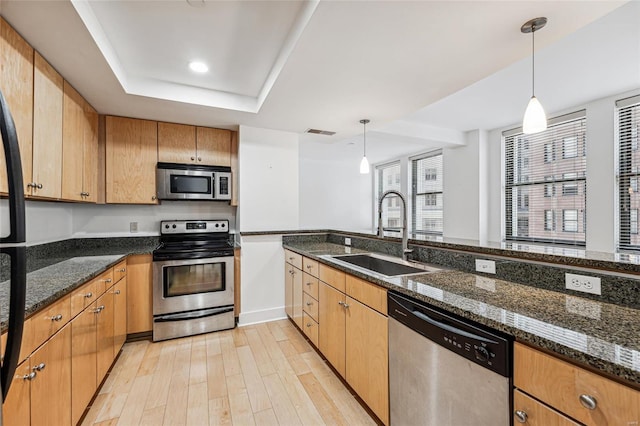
320	132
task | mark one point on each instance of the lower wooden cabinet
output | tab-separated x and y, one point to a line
332	326
104	333
288	289
527	410
84	379
16	409
119	315
139	294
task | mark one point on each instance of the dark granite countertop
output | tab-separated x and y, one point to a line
57	269
603	336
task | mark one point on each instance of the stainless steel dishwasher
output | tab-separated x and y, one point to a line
444	371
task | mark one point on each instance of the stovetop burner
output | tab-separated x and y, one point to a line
196	239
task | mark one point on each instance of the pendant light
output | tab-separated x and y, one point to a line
364	164
535	119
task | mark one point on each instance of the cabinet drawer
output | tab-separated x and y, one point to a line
310	285
310	329
103	281
310	266
537	414
310	306
331	276
47	322
368	294
83	297
119	271
562	386
293	258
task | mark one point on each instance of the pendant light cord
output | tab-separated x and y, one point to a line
533	60
364	149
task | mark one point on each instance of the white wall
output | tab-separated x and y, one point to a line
111	220
46	222
268	201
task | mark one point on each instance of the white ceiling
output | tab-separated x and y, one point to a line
403	64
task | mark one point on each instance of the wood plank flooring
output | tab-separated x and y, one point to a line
265	374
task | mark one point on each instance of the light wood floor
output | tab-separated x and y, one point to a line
266	374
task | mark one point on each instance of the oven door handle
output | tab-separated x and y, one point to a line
183	316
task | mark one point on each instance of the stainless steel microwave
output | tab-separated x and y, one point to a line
193	182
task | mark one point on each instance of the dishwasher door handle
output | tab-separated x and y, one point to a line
450	328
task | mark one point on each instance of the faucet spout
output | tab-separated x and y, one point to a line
405	236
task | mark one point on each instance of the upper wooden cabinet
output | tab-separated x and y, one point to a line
16	84
179	143
47	131
79	148
131	158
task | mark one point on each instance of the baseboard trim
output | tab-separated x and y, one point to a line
257	317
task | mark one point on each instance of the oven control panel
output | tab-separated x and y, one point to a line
193	226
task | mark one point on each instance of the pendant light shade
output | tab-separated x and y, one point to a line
364	164
535	119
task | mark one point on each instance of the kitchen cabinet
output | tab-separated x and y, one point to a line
16	83
139	294
234	169
16	409
84	377
332	326
79	148
293	287
46	179
120	315
288	289
580	394
104	333
131	158
534	413
180	143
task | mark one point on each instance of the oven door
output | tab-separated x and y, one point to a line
186	285
175	184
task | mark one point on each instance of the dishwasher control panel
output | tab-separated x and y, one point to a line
488	348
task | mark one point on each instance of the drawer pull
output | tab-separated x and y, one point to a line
108	280
29	376
56	318
291	258
122	270
588	402
39	367
309	283
346	305
88	295
309	266
521	416
309	303
116	292
308	324
340	302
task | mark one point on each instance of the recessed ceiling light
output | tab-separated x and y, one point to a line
197	66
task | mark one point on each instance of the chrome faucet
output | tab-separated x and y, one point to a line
405	236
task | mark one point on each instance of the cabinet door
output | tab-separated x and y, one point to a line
331	328
16	409
288	289
367	359
176	143
139	294
72	144
104	336
297	297
132	155
51	388
16	83
84	380
213	146
120	315
47	130
90	153
538	414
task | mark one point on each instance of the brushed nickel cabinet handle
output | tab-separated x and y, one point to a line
108	280
30	376
589	402
521	416
309	303
39	186
39	367
346	305
199	159
88	295
116	292
31	185
309	266
308	324
340	302
56	318
153	198
122	270
193	158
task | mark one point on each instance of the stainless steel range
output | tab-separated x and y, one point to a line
192	279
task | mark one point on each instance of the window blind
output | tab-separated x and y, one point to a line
628	111
545	182
388	176
426	194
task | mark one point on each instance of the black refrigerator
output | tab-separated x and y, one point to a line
13	245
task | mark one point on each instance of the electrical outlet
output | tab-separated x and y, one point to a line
486	266
133	226
347	241
583	283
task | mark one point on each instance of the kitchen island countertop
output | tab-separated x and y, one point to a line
603	336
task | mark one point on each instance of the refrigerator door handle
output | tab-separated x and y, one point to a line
14	246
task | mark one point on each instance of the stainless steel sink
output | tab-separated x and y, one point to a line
385	265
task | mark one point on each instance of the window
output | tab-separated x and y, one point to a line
539	184
571	187
388	178
570	147
549	222
570	220
628	123
549	152
426	194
